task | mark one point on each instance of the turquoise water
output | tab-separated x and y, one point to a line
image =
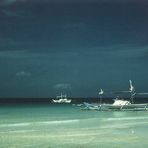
66	126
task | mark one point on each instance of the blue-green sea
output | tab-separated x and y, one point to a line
66	126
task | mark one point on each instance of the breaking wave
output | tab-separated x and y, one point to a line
38	123
123	125
127	118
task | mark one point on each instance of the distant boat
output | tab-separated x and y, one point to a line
61	99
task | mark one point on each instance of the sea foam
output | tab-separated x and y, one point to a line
38	123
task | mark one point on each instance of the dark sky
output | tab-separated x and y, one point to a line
72	46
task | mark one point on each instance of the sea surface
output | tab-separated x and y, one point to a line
67	126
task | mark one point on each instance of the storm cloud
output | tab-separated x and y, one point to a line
46	47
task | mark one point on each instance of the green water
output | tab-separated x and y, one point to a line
66	126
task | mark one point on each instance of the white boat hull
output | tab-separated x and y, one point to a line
124	107
61	101
111	107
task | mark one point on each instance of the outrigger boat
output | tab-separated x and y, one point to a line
88	106
61	99
119	104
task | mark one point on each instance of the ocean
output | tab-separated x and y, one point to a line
67	126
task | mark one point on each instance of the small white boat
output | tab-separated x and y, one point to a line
61	99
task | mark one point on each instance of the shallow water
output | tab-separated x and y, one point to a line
66	126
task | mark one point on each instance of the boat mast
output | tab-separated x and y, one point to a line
132	91
100	94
